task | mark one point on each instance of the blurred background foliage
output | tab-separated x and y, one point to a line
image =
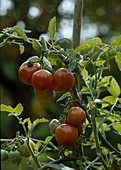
100	18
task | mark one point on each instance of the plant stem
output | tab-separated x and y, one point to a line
95	130
77	22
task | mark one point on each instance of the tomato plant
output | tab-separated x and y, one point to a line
23	149
25	72
66	134
42	80
77	76
76	116
63	80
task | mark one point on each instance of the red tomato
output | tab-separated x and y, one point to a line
66	134
63	80
76	116
25	73
42	80
80	128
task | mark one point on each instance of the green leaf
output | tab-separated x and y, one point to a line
105	151
114	88
52	27
84	73
117	127
47	140
6	108
47	64
117	41
28	121
18	109
64	96
118	60
37	46
105	127
21	48
109	100
100	62
21	32
119	146
72	66
89	44
42	120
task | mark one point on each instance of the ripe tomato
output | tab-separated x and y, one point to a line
63	80
80	128
66	134
14	156
44	95
76	116
4	155
23	149
54	123
42	79
25	73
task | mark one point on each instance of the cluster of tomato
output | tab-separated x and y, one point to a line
67	133
15	155
44	82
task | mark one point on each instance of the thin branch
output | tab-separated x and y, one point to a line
77	23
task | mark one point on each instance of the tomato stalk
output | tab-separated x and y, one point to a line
93	112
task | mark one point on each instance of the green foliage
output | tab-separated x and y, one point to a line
96	90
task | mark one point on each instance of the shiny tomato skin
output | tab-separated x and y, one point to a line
80	128
66	134
25	73
42	80
76	116
63	80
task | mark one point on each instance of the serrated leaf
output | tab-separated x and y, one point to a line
6	108
117	41
21	32
114	88
84	73
52	27
37	121
89	44
47	64
64	96
18	109
109	100
37	46
21	48
118	60
119	146
117	127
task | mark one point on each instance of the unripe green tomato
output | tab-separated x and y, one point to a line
14	156
54	123
23	149
4	155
